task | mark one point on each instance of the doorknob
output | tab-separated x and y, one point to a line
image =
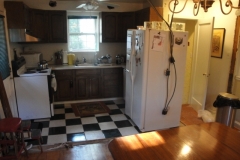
205	74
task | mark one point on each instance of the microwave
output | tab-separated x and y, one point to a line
32	59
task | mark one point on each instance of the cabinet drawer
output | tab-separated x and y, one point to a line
112	71
87	72
62	73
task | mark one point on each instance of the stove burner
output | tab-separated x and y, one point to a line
42	71
29	72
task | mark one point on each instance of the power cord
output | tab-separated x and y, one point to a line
171	59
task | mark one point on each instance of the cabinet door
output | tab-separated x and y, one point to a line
57	26
16	15
94	87
112	82
65	85
82	85
65	89
109	26
39	24
126	20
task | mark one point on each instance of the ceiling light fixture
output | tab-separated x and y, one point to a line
205	4
89	6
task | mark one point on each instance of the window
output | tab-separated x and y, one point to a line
83	33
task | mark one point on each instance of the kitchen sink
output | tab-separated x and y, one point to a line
84	64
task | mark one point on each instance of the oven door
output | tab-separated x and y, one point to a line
32	95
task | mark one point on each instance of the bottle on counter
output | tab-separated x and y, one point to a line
71	59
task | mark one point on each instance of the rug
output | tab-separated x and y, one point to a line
89	109
189	116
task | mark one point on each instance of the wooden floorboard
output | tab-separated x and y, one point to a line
92	150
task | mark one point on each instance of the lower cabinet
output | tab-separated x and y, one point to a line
88	84
88	87
112	82
82	84
65	85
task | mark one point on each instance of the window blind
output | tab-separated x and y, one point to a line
4	63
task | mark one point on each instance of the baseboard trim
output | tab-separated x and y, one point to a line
237	125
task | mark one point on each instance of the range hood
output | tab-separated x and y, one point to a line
20	35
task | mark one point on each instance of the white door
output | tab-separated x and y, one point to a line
203	43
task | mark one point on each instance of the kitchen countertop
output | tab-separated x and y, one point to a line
63	67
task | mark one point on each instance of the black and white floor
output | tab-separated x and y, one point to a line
64	126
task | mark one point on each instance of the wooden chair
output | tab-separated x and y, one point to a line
12	140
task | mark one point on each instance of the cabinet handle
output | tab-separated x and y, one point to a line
71	84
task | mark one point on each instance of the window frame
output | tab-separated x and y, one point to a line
87	14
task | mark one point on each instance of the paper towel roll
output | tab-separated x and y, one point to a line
65	59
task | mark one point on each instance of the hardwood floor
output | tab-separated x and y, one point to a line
93	150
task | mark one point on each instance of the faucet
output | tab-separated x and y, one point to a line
84	60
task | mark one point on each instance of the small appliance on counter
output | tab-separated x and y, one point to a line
119	59
59	57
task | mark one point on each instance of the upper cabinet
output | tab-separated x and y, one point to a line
17	15
147	14
115	24
57	26
50	26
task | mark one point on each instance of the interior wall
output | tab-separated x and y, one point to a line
189	27
219	67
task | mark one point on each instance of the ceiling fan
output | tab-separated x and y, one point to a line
94	4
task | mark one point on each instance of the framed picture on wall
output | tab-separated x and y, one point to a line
218	42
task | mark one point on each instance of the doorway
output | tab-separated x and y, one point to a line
197	63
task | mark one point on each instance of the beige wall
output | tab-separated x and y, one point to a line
189	27
219	67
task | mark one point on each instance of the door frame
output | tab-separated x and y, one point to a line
193	55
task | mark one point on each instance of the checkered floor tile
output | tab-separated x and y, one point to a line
65	126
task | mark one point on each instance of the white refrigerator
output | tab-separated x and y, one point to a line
148	90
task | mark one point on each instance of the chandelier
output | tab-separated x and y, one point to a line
205	4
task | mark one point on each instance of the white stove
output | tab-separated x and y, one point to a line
29	72
33	91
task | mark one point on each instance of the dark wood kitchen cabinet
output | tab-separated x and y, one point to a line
49	26
147	14
57	26
88	83
39	21
65	85
17	15
115	25
112	82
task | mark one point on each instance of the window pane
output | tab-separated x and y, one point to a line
81	25
73	26
87	25
82	42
